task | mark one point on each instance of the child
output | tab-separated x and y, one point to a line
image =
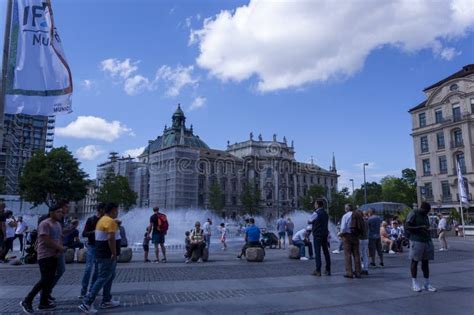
223	231
146	245
187	243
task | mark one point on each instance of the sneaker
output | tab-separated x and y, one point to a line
187	261
327	273
27	307
382	265
316	273
51	298
200	260
304	258
336	251
148	260
391	252
441	249
110	304
429	287
372	265
364	273
311	258
47	307
239	257
163	260
156	261
415	287
88	309
81	296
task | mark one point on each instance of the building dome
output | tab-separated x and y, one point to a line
177	134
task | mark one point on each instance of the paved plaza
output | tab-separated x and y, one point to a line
225	285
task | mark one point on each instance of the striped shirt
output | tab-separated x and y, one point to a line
104	226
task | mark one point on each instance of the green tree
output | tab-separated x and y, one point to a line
216	196
409	175
338	200
53	176
250	198
374	194
116	189
314	192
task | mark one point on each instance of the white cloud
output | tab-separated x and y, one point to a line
89	152
137	85
134	152
291	43
176	78
87	84
91	127
198	102
119	69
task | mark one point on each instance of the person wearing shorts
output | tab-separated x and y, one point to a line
157	237
421	245
281	228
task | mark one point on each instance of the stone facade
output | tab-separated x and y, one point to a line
177	169
443	133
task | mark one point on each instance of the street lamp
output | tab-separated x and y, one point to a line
365	185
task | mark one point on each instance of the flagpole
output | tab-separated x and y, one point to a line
3	87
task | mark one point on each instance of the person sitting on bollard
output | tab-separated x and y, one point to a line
384	235
301	240
252	238
123	235
197	243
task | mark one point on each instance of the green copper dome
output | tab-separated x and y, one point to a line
178	134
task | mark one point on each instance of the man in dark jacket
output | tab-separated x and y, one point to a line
320	220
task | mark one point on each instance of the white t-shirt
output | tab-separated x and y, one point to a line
299	236
21	227
207	228
442	224
10	229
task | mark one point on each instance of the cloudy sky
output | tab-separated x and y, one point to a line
334	76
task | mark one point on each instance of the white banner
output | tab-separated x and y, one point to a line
39	80
461	186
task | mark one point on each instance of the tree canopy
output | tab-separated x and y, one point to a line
216	197
250	198
51	177
314	192
116	189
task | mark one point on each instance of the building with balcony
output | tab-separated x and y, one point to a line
443	132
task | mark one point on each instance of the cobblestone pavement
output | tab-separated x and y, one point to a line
279	285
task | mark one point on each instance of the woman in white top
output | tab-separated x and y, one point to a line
21	228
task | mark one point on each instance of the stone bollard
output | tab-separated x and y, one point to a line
69	255
293	252
125	255
255	254
82	255
205	254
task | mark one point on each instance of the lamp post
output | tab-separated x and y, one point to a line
365	185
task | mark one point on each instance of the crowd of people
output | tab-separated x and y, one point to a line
364	237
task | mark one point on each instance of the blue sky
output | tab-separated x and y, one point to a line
327	82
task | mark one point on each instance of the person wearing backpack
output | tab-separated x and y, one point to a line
442	229
158	227
350	235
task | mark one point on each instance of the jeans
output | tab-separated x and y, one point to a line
20	237
7	246
302	246
48	268
104	281
375	245
91	264
207	240
322	243
60	269
364	257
